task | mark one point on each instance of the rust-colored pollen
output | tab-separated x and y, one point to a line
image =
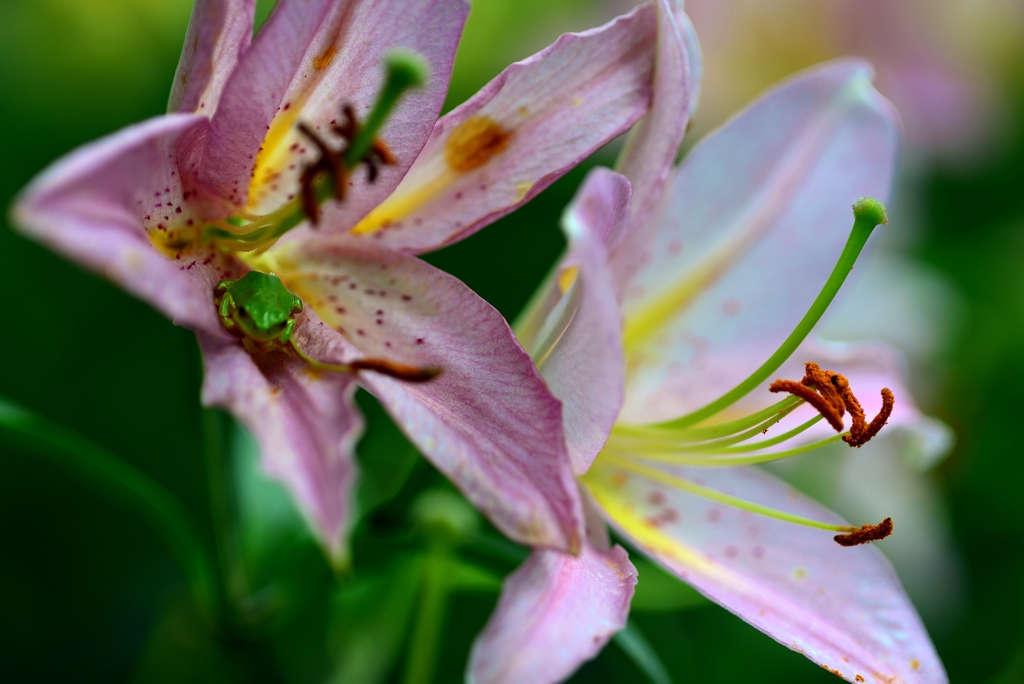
396	370
866	534
475	142
830	394
332	161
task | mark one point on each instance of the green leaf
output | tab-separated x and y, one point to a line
117	479
636	647
268	520
465	576
370	619
658	591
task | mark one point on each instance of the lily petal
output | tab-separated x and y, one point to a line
694	56
487	421
527	127
924	552
93	205
218	33
574	331
651	148
311	57
305	421
556	612
843	608
760	212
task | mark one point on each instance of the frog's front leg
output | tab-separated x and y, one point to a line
289	328
226	311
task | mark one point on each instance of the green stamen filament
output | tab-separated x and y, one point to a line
716	460
655	440
405	70
320	365
706	433
732	501
868	213
779	439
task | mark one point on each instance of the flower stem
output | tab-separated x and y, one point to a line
867	213
636	646
430	617
223	510
117	478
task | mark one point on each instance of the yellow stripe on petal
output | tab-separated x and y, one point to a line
607	489
403	202
645	322
567	277
470	146
273	154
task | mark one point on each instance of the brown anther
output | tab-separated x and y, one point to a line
860	434
396	370
348	129
866	534
332	161
816	389
830	394
383	153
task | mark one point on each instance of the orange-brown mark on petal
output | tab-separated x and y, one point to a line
475	142
866	534
859	678
396	370
314	374
834	671
324	59
914	664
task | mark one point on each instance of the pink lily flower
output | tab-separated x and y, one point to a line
656	313
170	207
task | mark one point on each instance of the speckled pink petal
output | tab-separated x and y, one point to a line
841	607
555	612
310	58
650	151
218	33
527	127
573	329
760	213
305	421
93	207
487	421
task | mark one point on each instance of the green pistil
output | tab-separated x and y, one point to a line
868	213
405	70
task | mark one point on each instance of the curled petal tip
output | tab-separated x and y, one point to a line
870	209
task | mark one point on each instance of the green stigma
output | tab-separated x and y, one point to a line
327	177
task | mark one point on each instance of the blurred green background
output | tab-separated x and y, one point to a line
89	592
